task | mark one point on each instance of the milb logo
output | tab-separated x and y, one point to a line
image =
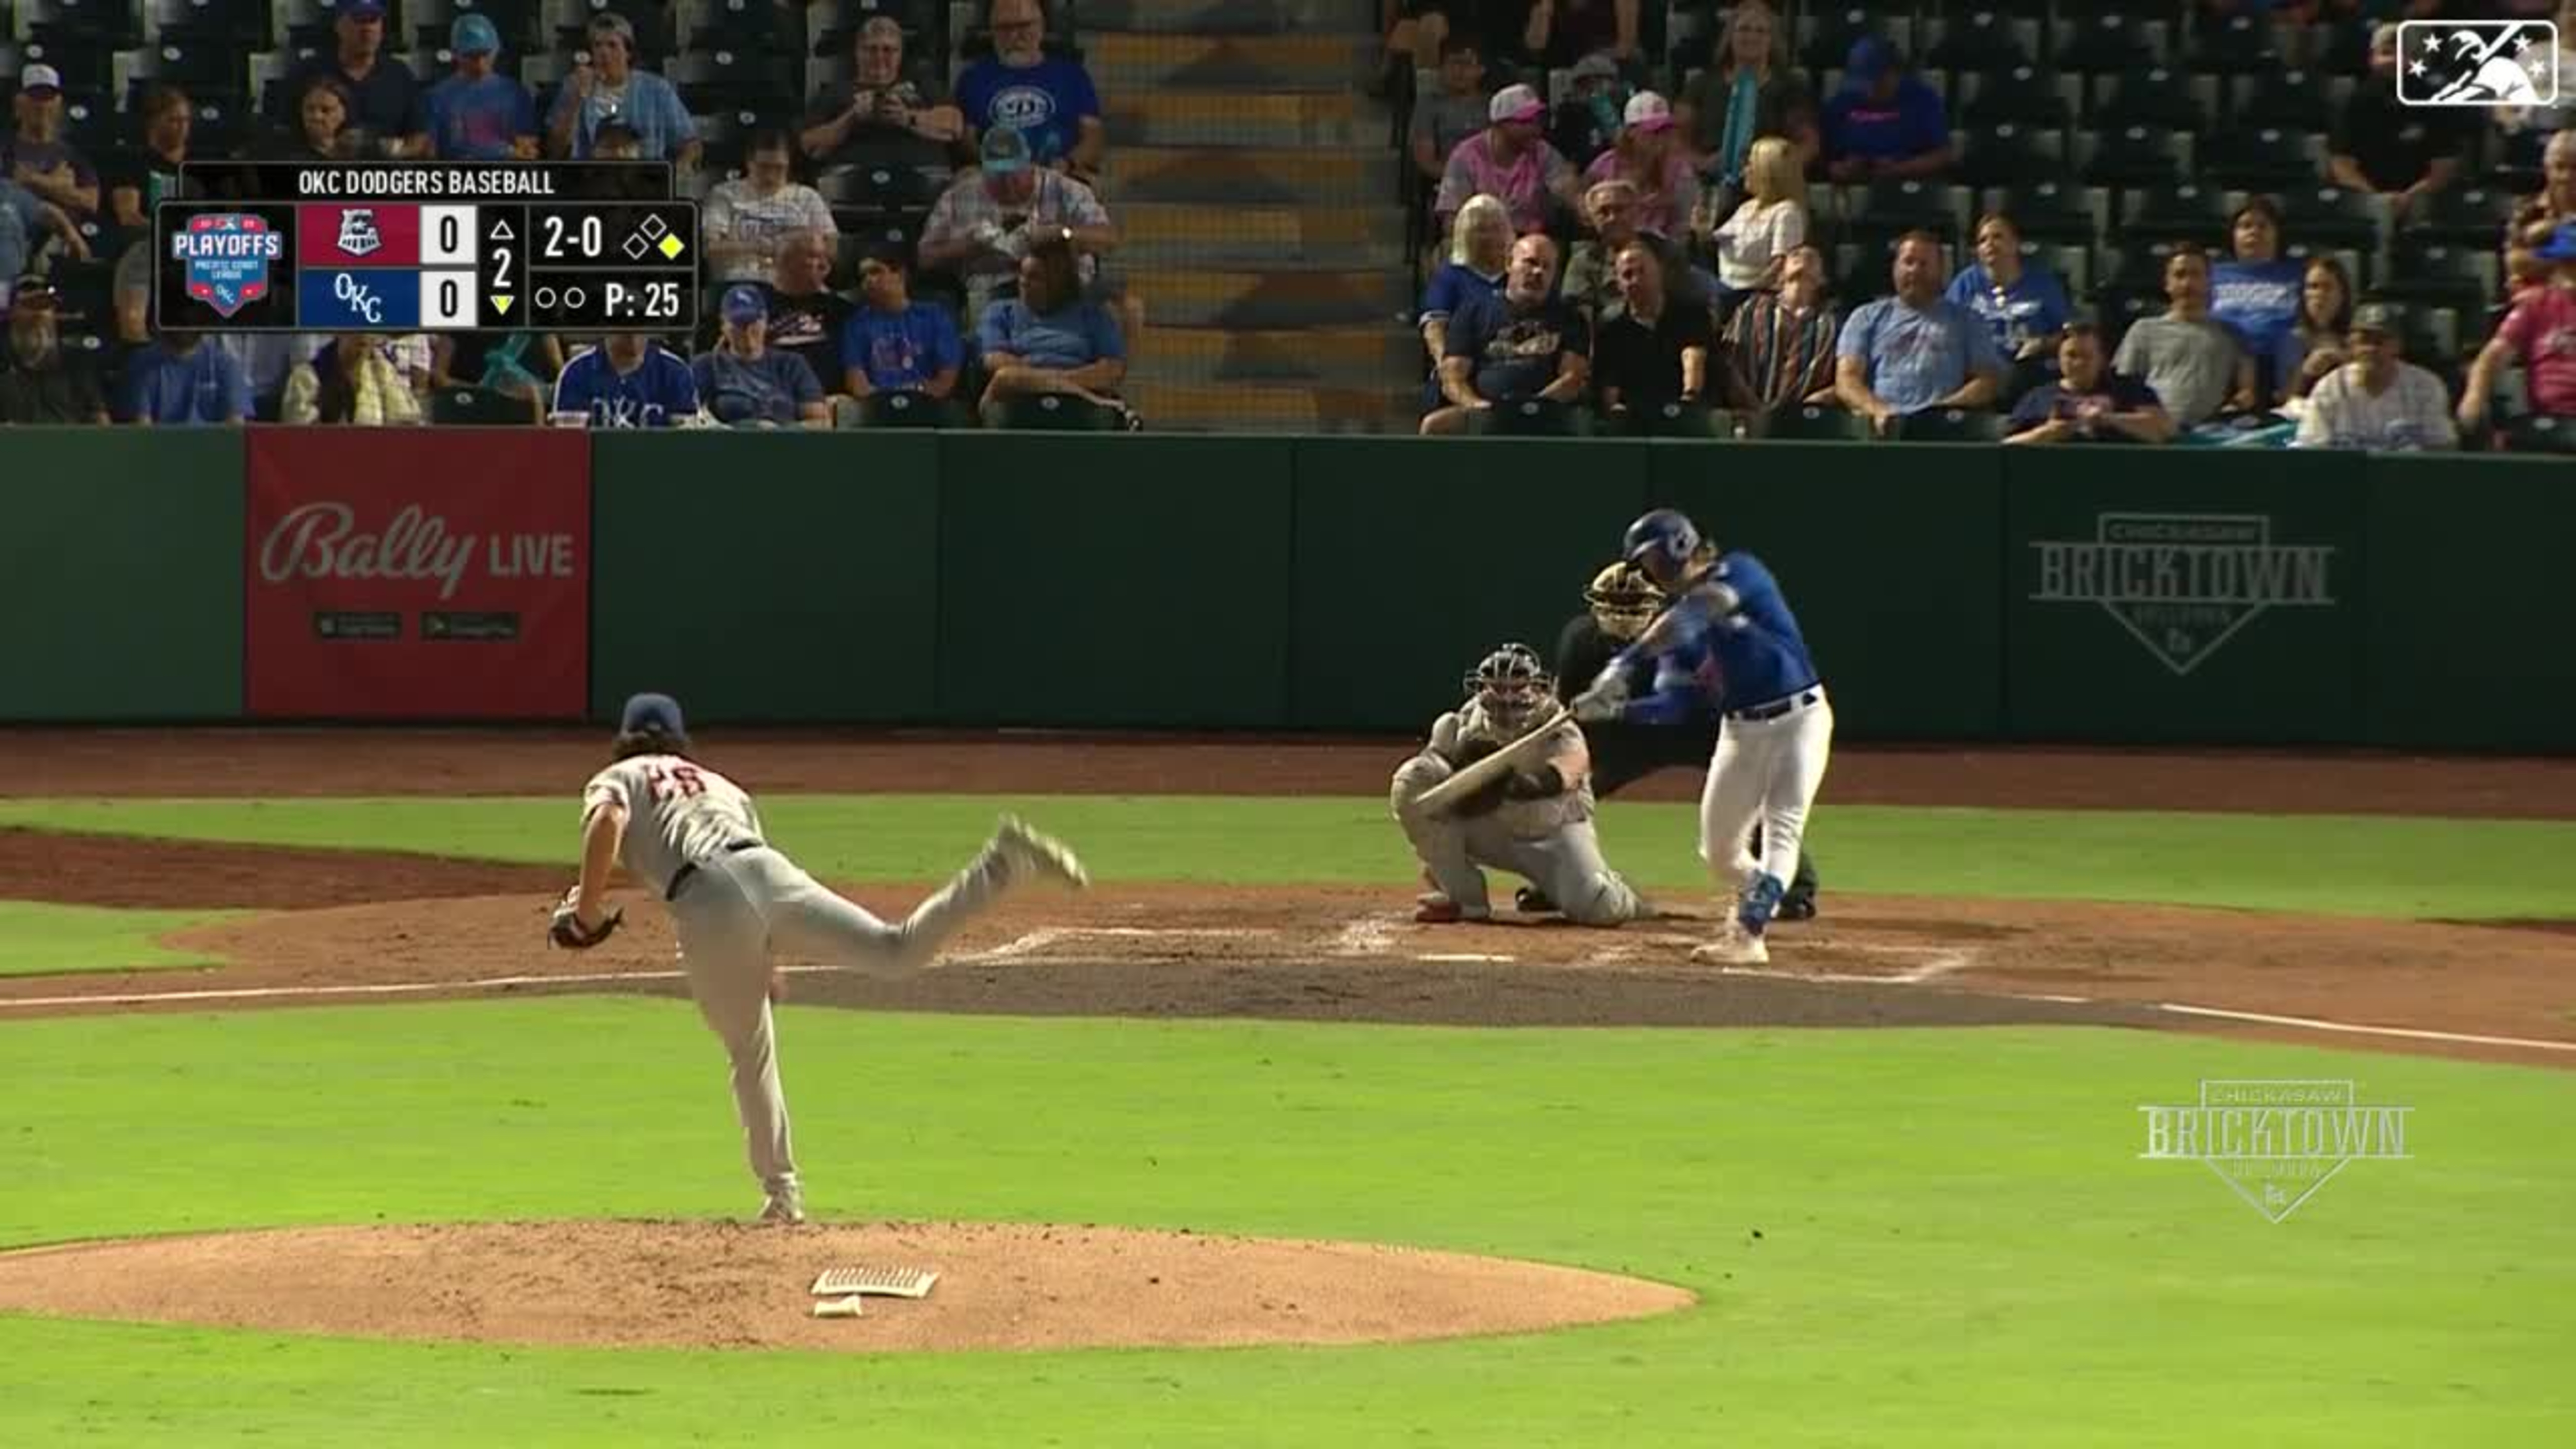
228	256
2477	63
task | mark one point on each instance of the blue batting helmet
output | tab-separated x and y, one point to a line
1661	543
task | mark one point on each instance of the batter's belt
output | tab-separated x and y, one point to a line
680	878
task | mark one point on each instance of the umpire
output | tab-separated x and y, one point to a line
1618	605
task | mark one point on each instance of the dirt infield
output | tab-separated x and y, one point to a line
261	763
334	927
715	1285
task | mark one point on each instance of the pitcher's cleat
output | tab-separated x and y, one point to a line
1034	853
784	1208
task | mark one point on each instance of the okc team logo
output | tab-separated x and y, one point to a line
358	234
228	255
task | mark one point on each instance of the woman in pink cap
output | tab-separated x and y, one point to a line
1650	156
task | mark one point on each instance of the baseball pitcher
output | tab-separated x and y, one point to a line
694	837
1727	638
1618	605
1535	822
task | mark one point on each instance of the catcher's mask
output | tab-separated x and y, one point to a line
1623	600
1512	685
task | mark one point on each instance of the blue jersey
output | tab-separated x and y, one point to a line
1750	656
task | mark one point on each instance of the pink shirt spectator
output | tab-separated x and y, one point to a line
2542	332
1523	187
1663	202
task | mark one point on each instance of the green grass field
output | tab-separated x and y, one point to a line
1959	1245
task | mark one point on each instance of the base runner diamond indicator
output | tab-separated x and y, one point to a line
672	246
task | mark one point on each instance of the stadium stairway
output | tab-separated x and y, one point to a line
1255	192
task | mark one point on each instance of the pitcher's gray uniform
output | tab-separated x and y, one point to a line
1543	835
695	838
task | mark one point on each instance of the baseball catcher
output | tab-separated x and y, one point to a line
1534	821
695	839
1618	605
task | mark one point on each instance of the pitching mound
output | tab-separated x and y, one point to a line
718	1285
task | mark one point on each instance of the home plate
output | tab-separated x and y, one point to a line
1470	957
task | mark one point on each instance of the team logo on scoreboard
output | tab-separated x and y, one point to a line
228	255
358	234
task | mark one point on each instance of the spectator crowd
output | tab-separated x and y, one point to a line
2141	221
894	228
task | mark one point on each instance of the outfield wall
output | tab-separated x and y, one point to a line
2174	596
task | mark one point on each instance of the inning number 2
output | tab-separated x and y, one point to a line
663	782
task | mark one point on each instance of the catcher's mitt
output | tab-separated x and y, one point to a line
567	931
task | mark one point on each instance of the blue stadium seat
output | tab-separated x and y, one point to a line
2467	279
192	63
876	191
726	80
762	26
1887	209
106	24
831	23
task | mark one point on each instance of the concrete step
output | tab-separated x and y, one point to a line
1270	298
1229	17
1134	64
1153	235
1254	176
1218	118
1366	357
1252	408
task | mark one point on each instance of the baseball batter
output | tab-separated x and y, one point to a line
1535	822
695	838
1617	606
1728	638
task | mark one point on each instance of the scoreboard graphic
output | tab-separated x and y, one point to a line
362	247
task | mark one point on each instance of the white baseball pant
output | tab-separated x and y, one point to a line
1767	771
1566	863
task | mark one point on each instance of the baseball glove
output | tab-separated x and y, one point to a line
567	931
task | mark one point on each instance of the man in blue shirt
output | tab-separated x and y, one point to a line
747	383
893	343
185	379
1885	122
628	382
1915	350
1728	639
479	114
1048	99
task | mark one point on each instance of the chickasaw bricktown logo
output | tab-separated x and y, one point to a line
2183	583
2276	1142
228	255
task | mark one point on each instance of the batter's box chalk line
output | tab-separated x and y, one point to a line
1365	936
1035	942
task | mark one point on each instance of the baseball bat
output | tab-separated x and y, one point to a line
1441	797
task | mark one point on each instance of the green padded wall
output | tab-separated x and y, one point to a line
1891	562
1112	580
2469	610
1415	556
2183	595
767	577
121	574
